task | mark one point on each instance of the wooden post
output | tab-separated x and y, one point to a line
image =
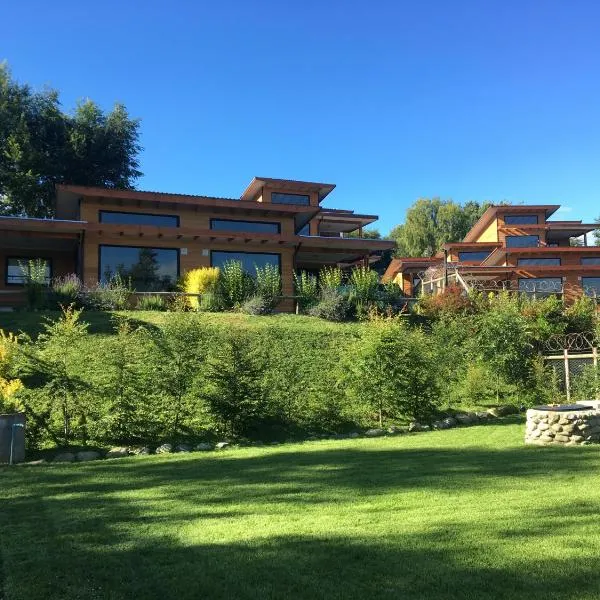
567	376
595	359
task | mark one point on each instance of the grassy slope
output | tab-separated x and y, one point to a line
465	513
103	322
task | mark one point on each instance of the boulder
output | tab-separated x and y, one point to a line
164	449
64	457
183	448
203	446
415	426
145	451
374	432
86	455
117	452
222	445
450	422
394	430
482	415
353	435
465	419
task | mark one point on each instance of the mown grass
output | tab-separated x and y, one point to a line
465	513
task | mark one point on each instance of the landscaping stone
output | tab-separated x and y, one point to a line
465	419
394	430
353	435
483	416
86	455
415	426
374	432
117	452
145	451
222	445
64	457
204	446
164	449
570	429
183	448
450	422
440	425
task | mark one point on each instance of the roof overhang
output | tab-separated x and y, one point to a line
289	185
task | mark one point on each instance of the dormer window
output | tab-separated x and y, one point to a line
520	219
279	198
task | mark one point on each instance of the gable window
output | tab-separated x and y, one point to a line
246	226
128	218
520	219
591	286
522	241
279	198
590	260
147	269
538	262
249	260
18	270
541	286
472	256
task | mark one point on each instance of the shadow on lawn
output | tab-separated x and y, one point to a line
89	532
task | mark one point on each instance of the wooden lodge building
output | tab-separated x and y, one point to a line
98	232
510	247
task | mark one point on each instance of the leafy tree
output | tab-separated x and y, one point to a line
432	222
367	234
40	146
597	233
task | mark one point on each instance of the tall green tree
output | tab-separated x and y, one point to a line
597	233
432	222
41	145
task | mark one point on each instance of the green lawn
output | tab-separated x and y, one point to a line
465	513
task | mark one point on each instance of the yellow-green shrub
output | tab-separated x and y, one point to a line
200	281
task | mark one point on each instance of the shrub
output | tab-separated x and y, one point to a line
582	315
330	278
307	290
233	388
235	285
114	294
256	305
395	373
332	306
67	290
153	302
268	285
34	276
203	280
453	300
364	285
9	386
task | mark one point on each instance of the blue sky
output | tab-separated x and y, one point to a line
390	100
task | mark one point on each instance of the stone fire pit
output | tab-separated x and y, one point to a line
564	424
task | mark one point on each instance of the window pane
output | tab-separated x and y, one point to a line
277	198
249	260
148	269
540	262
590	260
472	256
304	230
591	286
520	219
125	218
541	285
522	241
18	269
250	226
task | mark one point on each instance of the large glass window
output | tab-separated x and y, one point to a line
249	260
247	226
126	218
591	286
520	219
18	270
472	256
590	260
522	241
541	286
148	269
304	230
278	198
538	262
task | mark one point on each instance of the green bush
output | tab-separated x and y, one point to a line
114	294
307	290
256	305
235	285
153	302
330	278
332	306
67	290
34	282
268	286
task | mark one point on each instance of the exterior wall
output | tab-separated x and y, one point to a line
490	234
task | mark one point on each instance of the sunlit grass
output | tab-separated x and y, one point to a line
466	513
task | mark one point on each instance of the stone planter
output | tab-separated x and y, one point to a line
563	425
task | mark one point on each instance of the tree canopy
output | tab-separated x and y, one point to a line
432	222
41	145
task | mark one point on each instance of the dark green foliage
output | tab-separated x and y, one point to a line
395	373
233	386
151	303
332	306
306	288
40	146
256	305
235	285
267	285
